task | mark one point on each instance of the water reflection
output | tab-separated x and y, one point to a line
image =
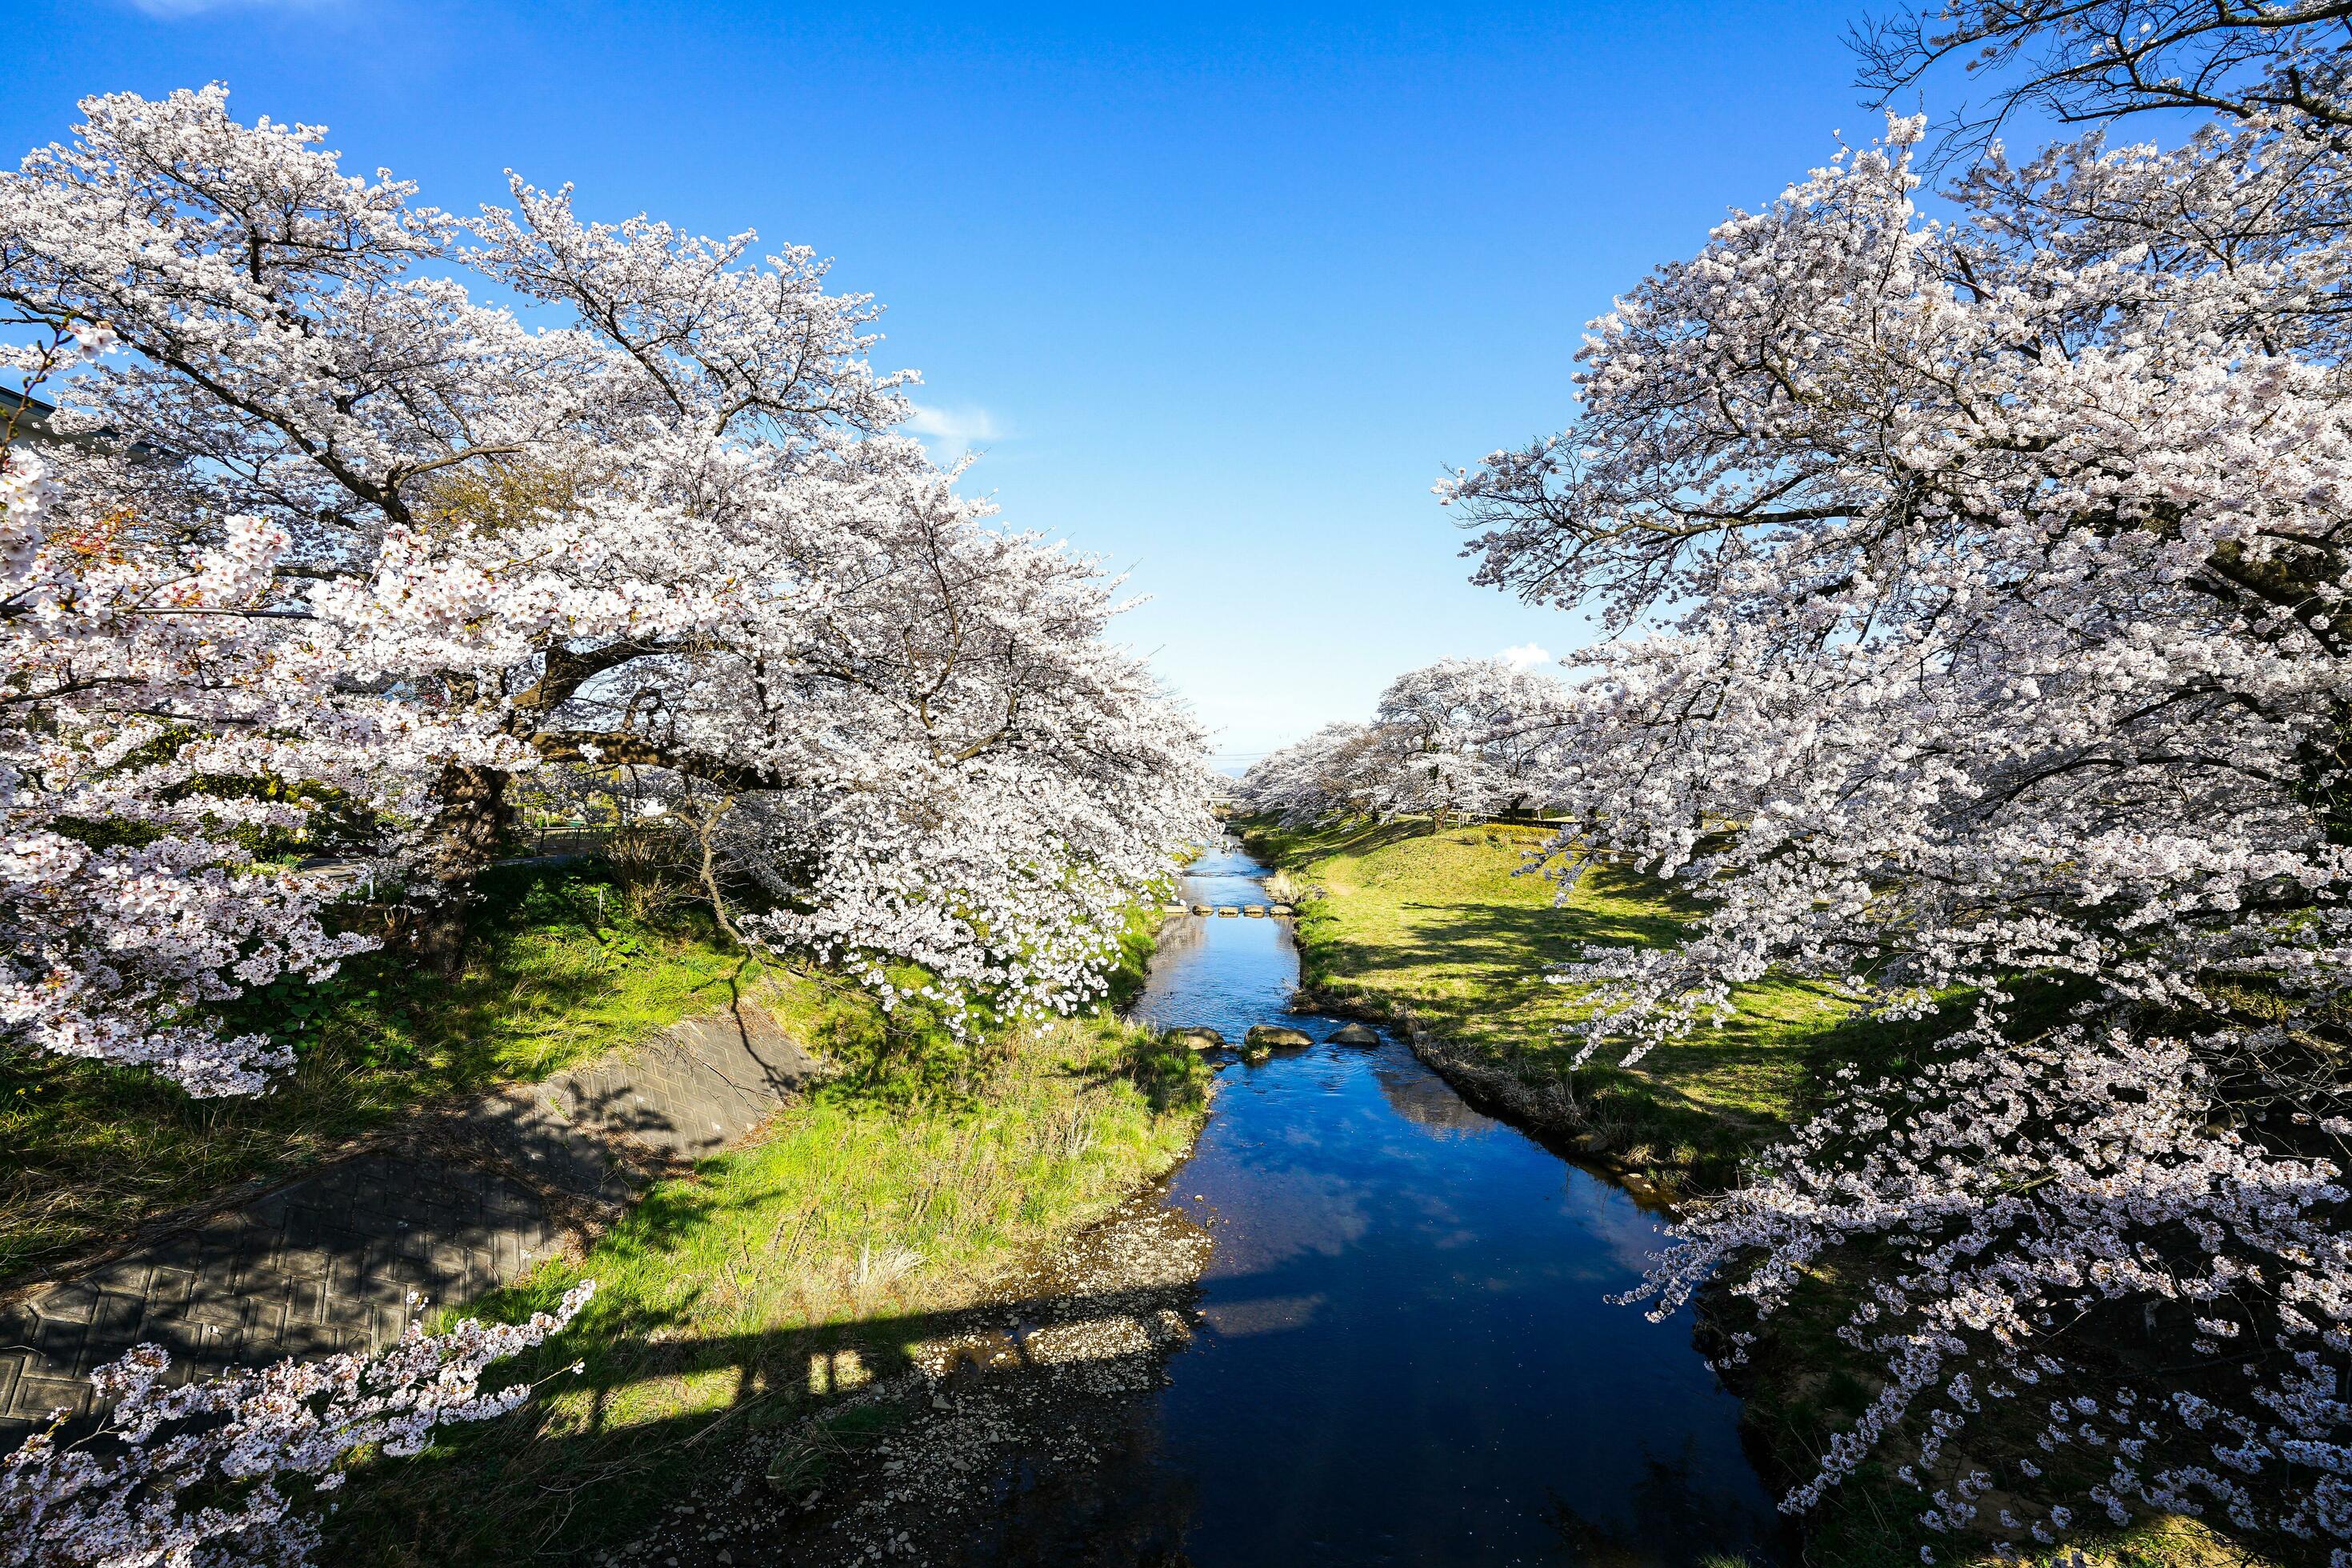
1225	876
1422	1097
1675	1518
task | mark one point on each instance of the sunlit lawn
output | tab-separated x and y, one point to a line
1452	926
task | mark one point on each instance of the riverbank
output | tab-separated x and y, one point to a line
1440	936
1379	1330
1407	1352
901	1183
781	1282
1004	1436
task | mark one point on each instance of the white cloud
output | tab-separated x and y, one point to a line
949	433
1526	656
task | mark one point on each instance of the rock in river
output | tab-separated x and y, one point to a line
1356	1034
1276	1034
1198	1038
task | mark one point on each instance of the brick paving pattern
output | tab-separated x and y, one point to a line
479	1197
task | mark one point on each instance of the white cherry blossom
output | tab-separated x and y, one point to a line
1463	737
331	550
230	1471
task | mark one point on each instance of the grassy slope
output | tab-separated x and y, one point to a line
1440	925
1444	926
558	974
726	1300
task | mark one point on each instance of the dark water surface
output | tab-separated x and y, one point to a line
1407	1356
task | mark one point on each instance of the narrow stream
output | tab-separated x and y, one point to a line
1407	1356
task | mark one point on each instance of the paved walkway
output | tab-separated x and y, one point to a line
470	1201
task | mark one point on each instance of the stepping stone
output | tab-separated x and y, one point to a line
1278	1035
1356	1034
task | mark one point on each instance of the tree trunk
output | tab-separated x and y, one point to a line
467	835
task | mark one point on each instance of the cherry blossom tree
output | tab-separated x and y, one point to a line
2077	60
940	757
140	681
674	532
1459	738
1976	589
1319	777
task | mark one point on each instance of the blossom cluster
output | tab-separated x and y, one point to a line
1463	737
227	1471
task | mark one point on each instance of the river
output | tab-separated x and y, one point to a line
1406	1355
1360	1324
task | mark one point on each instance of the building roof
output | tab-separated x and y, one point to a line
29	420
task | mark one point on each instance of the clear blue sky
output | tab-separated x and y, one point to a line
1217	294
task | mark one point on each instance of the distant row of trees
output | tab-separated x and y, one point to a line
1460	738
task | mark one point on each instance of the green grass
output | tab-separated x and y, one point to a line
1443	925
735	1299
2169	1542
558	972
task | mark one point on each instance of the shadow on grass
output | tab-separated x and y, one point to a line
661	1416
552	978
1170	1076
738	1302
1514	940
1281	845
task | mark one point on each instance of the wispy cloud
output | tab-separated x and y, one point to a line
1526	656
949	433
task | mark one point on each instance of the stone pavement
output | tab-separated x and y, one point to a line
466	1202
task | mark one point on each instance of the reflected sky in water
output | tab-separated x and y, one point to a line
1407	1357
